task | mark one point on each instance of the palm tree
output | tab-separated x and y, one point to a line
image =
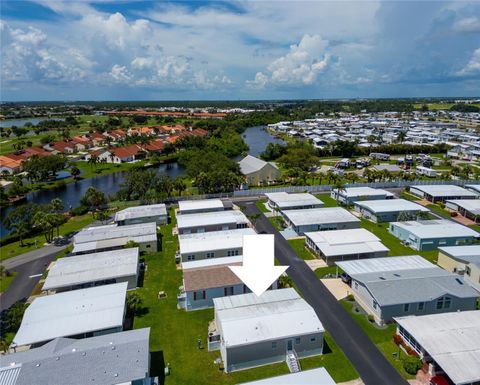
179	185
340	187
402	135
93	161
75	172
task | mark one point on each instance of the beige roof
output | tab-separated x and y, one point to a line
210	277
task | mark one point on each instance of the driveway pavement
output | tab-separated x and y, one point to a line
373	367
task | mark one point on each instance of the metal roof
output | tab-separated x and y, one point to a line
467	253
112	243
251	164
390	206
320	216
346	242
248	319
318	376
444	190
141	212
100	233
213	240
81	269
104	360
212	262
211	218
375	265
471	205
451	339
475	187
200	204
73	312
436	228
351	192
285	200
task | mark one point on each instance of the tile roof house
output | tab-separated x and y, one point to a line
10	165
127	153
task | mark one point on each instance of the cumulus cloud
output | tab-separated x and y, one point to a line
300	66
468	24
473	65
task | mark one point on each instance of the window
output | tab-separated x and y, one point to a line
274	345
421	306
356	285
191	257
199	295
228	290
231	253
406	307
245	289
241	226
312	339
297	341
211	255
147	246
448	302
374	304
444	303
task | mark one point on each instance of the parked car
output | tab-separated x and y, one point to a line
439	380
346	278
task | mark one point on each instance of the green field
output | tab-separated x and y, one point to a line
6	281
174	332
298	245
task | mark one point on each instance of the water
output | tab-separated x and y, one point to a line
255	137
22	122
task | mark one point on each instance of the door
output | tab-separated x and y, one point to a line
290	345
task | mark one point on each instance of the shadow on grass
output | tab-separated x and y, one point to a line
326	348
157	366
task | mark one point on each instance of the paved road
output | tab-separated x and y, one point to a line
30	256
369	362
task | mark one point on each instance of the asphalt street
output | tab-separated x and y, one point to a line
373	367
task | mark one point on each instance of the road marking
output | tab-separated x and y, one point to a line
35	275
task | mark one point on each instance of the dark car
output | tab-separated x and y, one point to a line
346	278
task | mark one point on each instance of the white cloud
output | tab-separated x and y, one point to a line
468	24
473	65
300	66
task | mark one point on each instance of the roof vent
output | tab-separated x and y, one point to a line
37	365
57	358
84	353
459	281
382	278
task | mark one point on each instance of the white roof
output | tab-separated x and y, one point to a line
213	240
439	190
436	228
247	319
471	205
200	204
318	376
351	192
94	267
346	242
466	253
251	164
320	216
99	233
451	339
391	205
73	312
141	212
376	265
212	262
475	187
211	218
284	200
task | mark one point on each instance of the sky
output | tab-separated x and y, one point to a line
191	50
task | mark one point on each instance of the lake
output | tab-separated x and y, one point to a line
255	137
22	122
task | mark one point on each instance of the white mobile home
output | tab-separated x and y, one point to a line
94	269
318	376
252	331
297	201
388	210
211	221
469	208
396	286
350	195
257	171
426	171
142	214
442	192
200	206
213	244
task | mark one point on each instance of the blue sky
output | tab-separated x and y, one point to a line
141	50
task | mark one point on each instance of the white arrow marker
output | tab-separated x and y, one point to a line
258	271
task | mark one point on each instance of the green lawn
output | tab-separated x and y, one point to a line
298	245
329	201
408	196
381	337
261	205
331	270
13	249
439	211
174	333
277	222
89	171
6	281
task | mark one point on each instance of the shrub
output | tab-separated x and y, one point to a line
412	364
397	339
80	210
407	188
371	318
453	214
441	204
350	298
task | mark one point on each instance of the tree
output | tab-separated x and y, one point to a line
20	220
14	316
94	199
57	206
340	187
180	185
412	364
93	161
402	135
134	303
130	245
405	216
46	223
75	172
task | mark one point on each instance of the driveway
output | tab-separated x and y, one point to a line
373	367
337	287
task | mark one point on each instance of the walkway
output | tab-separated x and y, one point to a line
373	367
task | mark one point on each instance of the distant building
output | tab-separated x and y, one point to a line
329	218
213	244
431	234
442	192
449	344
200	206
79	313
142	214
120	358
396	286
469	208
353	194
388	210
318	376
211	221
257	171
472	274
113	237
456	258
297	201
9	165
251	331
342	245
82	271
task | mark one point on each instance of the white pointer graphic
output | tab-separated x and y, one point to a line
258	271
